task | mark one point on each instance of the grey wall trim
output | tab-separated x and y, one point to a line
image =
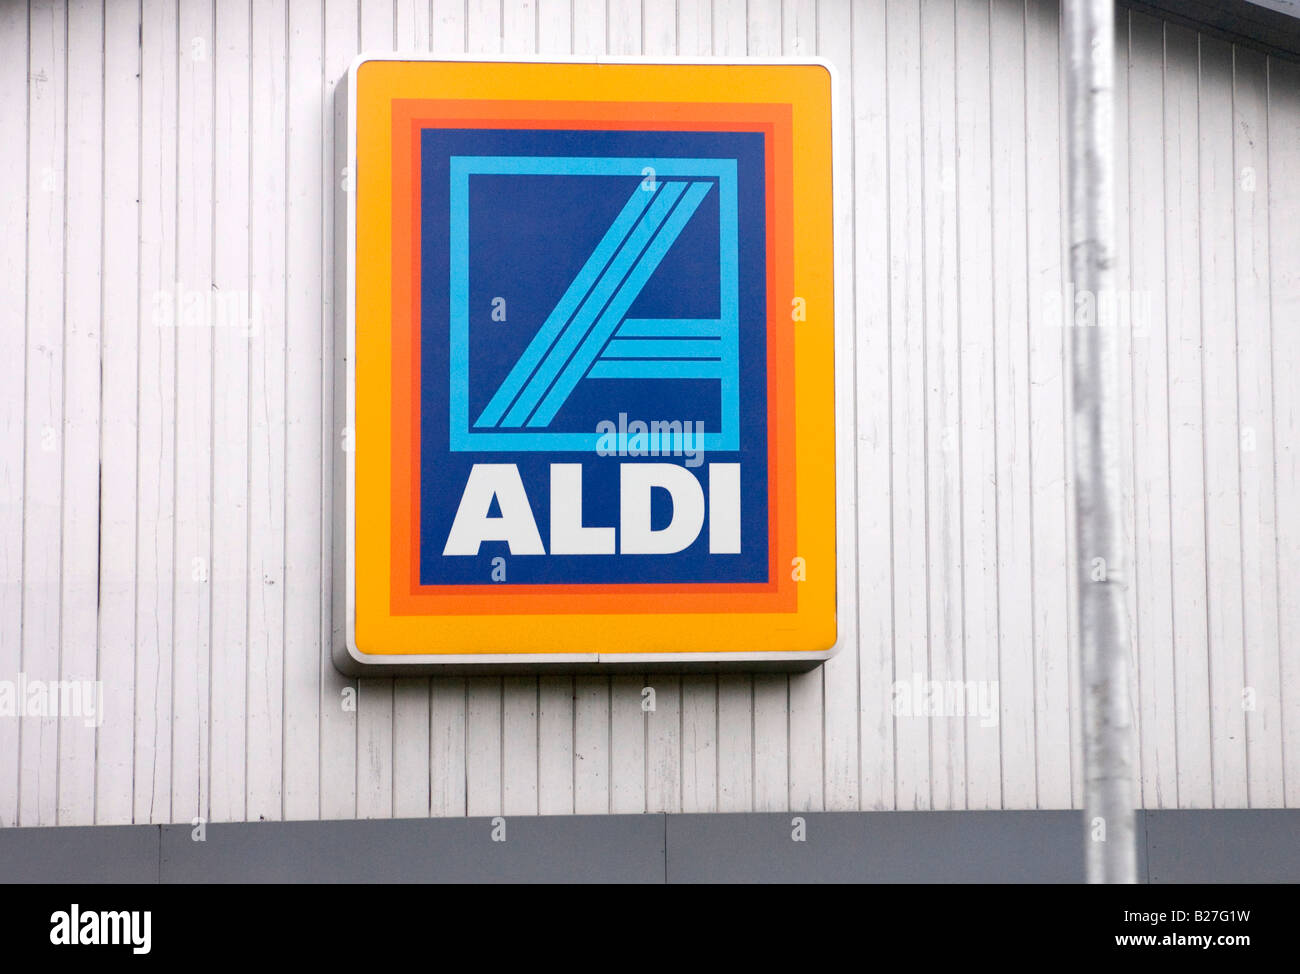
590	848
1183	846
879	847
90	854
1257	846
1263	26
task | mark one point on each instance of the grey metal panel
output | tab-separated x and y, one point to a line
1271	26
568	849
1257	845
1181	846
81	854
1144	857
1289	7
877	847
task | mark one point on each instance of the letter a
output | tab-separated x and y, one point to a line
515	526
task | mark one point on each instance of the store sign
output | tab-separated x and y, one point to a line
589	332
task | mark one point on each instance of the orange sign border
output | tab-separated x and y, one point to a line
408	596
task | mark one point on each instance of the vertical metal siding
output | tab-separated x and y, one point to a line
164	488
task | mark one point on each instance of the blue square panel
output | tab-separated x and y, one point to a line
588	295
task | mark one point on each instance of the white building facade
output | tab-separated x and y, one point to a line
168	450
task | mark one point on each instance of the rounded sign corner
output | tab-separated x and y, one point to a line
832	72
360	61
347	659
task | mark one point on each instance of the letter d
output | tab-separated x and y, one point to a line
637	483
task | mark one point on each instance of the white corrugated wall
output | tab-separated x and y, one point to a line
162	488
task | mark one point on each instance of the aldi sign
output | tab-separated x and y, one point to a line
589	334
